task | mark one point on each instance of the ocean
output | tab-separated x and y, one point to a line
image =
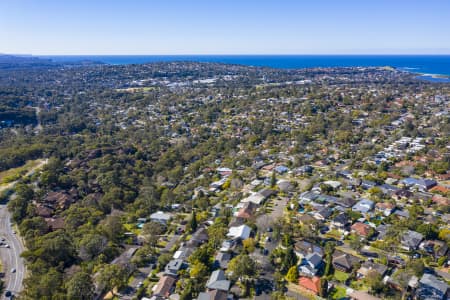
422	64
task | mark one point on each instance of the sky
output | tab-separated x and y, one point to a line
166	27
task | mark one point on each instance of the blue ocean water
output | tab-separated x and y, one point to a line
428	64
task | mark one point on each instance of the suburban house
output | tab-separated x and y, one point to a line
222	259
345	202
435	248
323	214
164	287
363	206
362	229
411	240
161	217
213	295
311	264
421	184
218	281
281	169
382	230
199	237
304	248
386	208
344	262
173	267
361	295
247	210
227	245
310	284
255	198
183	253
369	266
431	288
340	222
239	232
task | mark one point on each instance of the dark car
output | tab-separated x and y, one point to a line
8	293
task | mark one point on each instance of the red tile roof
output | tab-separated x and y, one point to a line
361	228
311	284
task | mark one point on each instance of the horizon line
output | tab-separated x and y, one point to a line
237	54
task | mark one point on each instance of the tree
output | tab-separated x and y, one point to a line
429	231
151	232
91	245
292	274
202	254
374	281
216	233
355	243
289	260
416	266
328	264
273	180
198	271
113	228
323	287
163	260
243	268
249	245
193	222
80	287
112	276
444	234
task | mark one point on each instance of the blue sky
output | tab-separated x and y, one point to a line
225	27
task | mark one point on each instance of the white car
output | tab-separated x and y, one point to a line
13	270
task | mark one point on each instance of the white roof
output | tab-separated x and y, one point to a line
177	254
334	184
242	232
160	216
256	198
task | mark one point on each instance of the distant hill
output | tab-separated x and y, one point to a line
8	61
13	62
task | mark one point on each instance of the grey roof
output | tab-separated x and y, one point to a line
222	259
431	288
218	281
382	230
174	266
305	248
368	265
212	295
363	205
341	218
345	202
325	212
402	213
411	239
314	259
160	216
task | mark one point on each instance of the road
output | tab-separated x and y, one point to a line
10	257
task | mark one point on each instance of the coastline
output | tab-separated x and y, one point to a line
431	77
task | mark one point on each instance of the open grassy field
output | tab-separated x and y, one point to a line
16	173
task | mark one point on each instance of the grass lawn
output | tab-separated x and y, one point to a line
340	276
334	234
338	292
16	173
132	228
297	290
